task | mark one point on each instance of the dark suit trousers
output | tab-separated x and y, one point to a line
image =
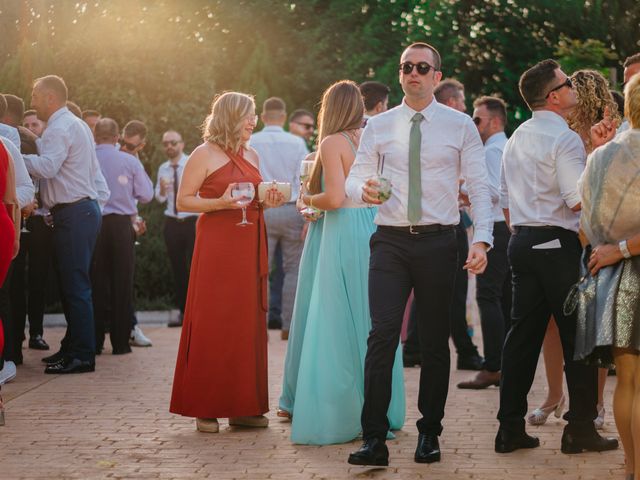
400	262
180	237
541	280
493	294
112	280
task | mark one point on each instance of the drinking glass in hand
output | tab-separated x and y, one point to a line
383	187
243	192
305	172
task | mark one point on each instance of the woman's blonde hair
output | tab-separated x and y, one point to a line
632	101
593	94
224	124
342	108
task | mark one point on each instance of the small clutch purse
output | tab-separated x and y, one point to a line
283	187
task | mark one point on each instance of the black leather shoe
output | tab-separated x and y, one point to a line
274	323
590	442
55	358
372	452
428	449
507	442
411	359
38	343
70	366
470	363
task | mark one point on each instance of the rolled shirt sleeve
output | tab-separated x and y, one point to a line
570	158
25	190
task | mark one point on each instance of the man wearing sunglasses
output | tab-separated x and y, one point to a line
179	227
302	124
427	148
542	163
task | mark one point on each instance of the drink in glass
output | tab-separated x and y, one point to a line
243	194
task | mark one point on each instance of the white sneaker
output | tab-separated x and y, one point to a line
8	372
138	339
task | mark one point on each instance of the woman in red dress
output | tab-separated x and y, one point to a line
221	370
9	230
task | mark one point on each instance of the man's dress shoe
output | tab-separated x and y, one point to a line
38	343
428	449
470	363
482	380
590	442
73	365
372	452
55	358
507	442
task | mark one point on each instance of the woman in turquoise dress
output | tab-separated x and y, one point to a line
327	398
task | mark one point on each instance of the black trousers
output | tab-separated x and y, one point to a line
493	294
180	236
541	280
31	271
400	262
112	281
459	329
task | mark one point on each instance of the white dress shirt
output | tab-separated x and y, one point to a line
24	186
451	149
281	154
493	155
166	170
68	161
541	165
624	126
10	133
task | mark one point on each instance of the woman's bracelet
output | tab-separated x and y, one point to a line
624	249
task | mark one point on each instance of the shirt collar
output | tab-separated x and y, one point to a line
549	116
272	128
105	146
181	162
428	112
58	113
495	138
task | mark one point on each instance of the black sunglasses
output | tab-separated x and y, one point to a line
129	146
308	126
422	67
567	83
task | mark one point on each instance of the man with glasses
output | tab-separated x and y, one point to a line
427	147
493	287
302	124
542	163
179	227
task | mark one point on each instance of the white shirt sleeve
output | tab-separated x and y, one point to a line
159	198
364	166
25	190
493	158
101	187
54	149
570	157
473	168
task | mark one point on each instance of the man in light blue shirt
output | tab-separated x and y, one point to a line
74	188
281	154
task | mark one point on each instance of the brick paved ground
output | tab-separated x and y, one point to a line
115	423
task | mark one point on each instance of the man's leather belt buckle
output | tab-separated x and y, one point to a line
412	230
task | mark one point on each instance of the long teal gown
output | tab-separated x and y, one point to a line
329	392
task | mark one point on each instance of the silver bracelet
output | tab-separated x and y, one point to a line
624	249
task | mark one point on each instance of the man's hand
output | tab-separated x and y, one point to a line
477	259
603	131
603	256
370	192
29	208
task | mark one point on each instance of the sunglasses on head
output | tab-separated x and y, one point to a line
129	146
422	67
567	83
172	143
308	126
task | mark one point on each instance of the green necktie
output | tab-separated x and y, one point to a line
414	209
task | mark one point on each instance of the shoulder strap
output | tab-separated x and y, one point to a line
353	147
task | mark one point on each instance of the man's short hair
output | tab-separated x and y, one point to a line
90	113
55	84
3	106
106	129
135	127
632	60
274	104
171	130
448	89
494	105
298	114
15	107
536	82
28	113
74	108
632	101
619	99
373	93
436	55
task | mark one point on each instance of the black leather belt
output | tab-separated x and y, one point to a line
417	229
181	220
61	206
527	228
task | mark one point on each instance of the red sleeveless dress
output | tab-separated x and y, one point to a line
6	227
221	370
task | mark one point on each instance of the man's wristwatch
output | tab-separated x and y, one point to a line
624	249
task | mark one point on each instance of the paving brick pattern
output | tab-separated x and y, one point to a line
115	424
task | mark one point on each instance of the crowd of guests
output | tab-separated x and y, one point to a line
336	245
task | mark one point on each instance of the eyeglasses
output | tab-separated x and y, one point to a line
307	126
478	120
422	67
567	83
253	119
130	146
172	143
